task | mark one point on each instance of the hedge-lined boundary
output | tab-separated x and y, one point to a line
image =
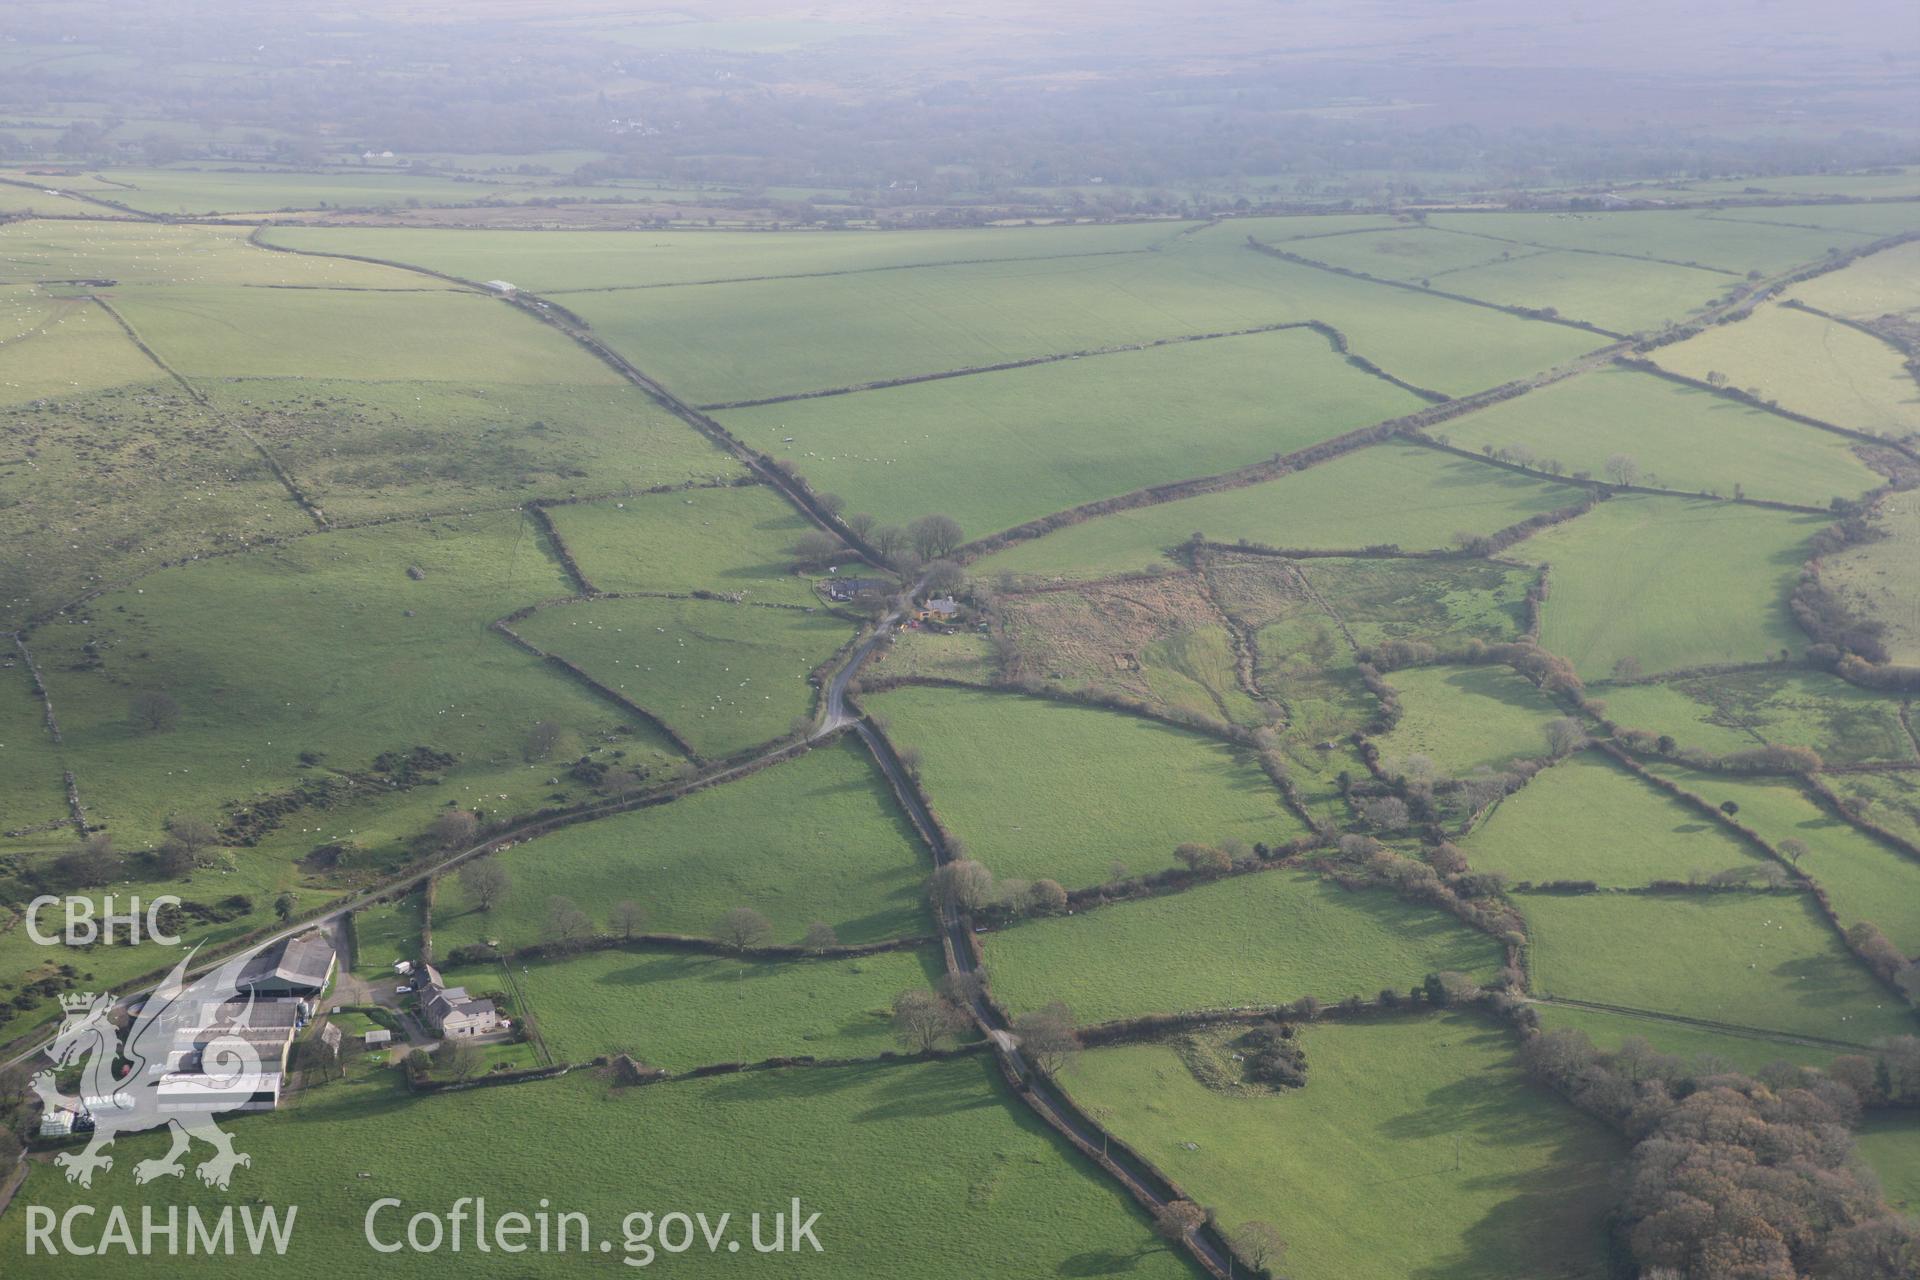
599	687
1737	396
691	943
1524	313
1005	366
1607	488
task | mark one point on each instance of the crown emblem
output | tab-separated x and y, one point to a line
77	1001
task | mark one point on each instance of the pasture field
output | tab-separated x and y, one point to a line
1048	790
997	449
1267	938
964	655
1681	437
1377	600
77	349
325	646
31	792
1868	221
723	676
1409	253
736	341
1613	293
1670	583
1809	364
1890	799
42	202
1697	238
1890	1144
367	449
728	540
952	1166
1883	283
1697	1046
1466	718
139	476
1754	960
576	261
1390	494
221	331
817	838
1743	710
149	253
1159	640
1881	579
1586	818
679	1009
386	932
1503	1178
1864	878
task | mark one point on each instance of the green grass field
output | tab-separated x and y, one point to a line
326	646
1879	579
725	540
1670	583
1808	364
1613	293
386	932
679	1010
737	341
723	676
1720	1050
1699	237
1681	437
1404	495
818	838
1462	718
368	449
997	449
1877	285
1865	879
1263	939
1041	789
1740	711
1753	960
1890	1144
1588	819
1890	799
65	347
1402	1121
575	260
951	1166
137	254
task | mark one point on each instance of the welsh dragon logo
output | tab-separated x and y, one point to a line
199	1027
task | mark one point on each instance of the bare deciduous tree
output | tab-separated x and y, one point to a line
820	937
1047	1036
961	885
741	928
1175	1221
485	882
153	711
922	1021
567	925
455	829
934	536
627	918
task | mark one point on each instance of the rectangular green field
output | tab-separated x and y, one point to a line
387	932
152	253
1743	710
1588	819
737	341
1754	960
1890	1144
997	449
1873	286
951	1166
1702	1048
1670	583
1691	237
1466	718
1680	437
1503	1178
75	348
329	646
1617	294
1392	494
818	838
1809	364
1042	789
730	540
568	261
680	1010
1266	938
723	676
1865	879
1881	579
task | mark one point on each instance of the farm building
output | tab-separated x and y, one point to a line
299	966
452	1012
